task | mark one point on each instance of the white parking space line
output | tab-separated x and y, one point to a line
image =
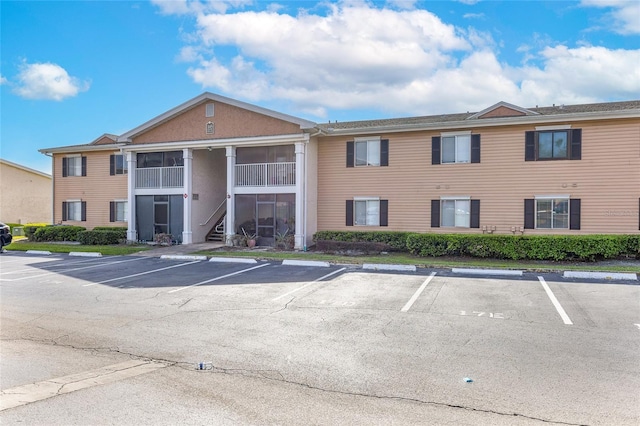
219	278
22	395
417	293
141	273
308	284
50	267
74	269
558	306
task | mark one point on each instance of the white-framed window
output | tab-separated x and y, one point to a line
456	148
366	211
73	165
119	209
553	144
367	152
210	110
552	212
455	212
73	210
119	164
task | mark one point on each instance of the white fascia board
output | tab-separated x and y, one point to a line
126	137
82	148
502	104
218	143
490	122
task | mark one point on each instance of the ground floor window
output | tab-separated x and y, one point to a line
456	213
366	212
118	211
74	210
552	213
266	216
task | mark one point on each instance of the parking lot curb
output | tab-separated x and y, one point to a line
510	272
85	254
306	263
600	275
182	257
45	252
232	260
388	267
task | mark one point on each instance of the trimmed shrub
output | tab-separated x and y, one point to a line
397	241
57	233
515	247
355	247
30	229
101	237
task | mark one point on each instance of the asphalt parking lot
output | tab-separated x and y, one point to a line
535	348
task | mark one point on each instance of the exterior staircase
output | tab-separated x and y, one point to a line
217	232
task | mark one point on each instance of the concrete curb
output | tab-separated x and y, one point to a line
472	271
182	257
45	252
600	275
305	263
388	267
85	254
233	260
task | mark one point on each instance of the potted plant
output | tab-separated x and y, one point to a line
249	238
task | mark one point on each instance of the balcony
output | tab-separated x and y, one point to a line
266	174
160	177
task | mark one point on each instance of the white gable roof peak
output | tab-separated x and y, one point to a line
304	124
502	104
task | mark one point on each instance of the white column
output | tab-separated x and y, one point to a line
187	234
300	199
132	234
229	225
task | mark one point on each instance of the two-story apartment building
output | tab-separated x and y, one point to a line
218	165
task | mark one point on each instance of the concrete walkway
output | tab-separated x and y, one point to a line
180	249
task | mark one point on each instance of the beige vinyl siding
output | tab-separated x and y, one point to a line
229	122
98	188
607	180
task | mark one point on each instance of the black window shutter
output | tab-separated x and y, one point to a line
435	213
112	165
349	212
112	211
350	154
574	213
435	150
83	208
384	152
64	210
576	144
529	213
64	167
384	212
84	166
529	146
475	148
475	214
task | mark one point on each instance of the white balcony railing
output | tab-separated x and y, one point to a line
266	174
160	177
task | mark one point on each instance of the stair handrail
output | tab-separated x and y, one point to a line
214	213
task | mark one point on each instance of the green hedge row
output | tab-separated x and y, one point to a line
57	233
396	240
533	247
30	230
102	236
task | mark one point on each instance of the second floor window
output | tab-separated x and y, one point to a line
159	159
118	165
74	166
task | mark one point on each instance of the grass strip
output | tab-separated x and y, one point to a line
66	248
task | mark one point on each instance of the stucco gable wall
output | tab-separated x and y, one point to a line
25	197
502	111
229	122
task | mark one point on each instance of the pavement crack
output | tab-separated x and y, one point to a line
187	301
286	305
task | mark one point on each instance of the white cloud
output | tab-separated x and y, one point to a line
624	17
3	80
184	7
47	81
402	62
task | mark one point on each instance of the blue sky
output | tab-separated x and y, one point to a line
71	71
